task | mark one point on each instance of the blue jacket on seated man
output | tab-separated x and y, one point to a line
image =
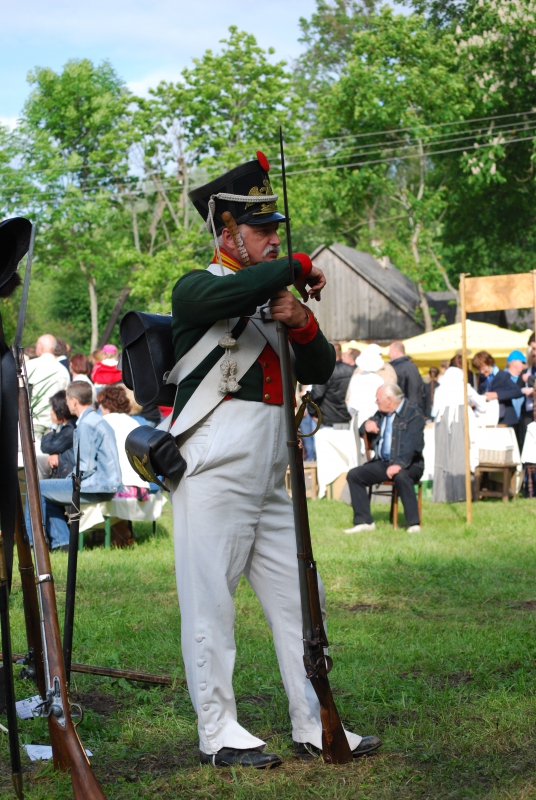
396	432
99	463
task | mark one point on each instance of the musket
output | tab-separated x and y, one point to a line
11	711
67	750
34	667
106	672
335	747
72	565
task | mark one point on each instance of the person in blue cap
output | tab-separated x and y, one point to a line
509	389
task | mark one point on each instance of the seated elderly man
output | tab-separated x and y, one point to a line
99	463
396	434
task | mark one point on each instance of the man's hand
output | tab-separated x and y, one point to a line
316	280
491	396
393	470
527	391
53	460
371	427
286	308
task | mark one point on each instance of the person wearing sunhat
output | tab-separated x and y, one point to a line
232	514
509	389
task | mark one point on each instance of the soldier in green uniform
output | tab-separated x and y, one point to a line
232	514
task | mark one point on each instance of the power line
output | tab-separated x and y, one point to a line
397	158
474	133
417	125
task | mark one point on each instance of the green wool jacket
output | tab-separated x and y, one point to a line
200	299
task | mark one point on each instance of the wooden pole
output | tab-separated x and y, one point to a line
468	495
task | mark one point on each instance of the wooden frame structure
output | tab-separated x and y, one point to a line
490	293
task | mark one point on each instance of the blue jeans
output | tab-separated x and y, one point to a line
57	493
307	425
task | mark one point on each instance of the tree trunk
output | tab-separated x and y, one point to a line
94	307
428	325
448	284
114	316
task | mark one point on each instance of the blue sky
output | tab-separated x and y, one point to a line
145	41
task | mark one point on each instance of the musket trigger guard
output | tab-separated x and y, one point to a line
306	400
78	719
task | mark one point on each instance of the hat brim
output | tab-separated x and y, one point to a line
265	219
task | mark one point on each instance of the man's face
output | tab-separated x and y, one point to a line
532	353
261	241
515	367
485	370
72	404
386	403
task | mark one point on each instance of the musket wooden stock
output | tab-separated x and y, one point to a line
67	750
32	615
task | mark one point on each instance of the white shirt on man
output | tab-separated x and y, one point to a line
46	376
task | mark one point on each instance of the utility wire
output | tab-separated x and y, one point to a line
417	125
397	158
475	133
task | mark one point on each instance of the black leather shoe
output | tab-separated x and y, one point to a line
231	757
307	752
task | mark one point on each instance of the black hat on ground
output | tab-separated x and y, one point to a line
15	237
244	191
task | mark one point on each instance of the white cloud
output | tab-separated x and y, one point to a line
150	81
8	122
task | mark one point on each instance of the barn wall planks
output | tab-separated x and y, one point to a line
353	309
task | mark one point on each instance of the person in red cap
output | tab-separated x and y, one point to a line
232	513
105	372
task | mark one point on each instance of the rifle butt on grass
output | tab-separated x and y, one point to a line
335	747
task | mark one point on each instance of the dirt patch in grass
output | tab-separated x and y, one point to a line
364	608
526	605
100	703
256	699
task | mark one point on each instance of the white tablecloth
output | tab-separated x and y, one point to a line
123	508
336	453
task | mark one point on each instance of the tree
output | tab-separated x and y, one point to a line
402	80
76	136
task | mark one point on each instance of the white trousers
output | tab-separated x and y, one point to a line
232	517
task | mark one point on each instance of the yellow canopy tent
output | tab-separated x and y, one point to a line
430	349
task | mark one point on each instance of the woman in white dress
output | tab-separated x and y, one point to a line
447	413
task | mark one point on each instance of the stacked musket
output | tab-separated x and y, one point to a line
44	660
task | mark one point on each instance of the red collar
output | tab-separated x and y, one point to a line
227	260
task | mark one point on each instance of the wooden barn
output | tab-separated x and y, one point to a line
364	299
371	300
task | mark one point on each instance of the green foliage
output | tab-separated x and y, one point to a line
368	111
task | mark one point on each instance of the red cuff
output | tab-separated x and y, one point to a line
307	333
306	264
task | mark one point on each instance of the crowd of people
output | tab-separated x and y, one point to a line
364	386
81	402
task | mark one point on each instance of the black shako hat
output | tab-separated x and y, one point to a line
245	192
15	237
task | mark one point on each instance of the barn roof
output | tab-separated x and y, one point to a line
388	280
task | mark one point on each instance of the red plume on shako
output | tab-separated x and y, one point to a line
263	161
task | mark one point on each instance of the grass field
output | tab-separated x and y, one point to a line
433	644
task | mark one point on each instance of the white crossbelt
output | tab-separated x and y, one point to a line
207	396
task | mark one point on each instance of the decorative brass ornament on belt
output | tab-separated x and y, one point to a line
306	401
